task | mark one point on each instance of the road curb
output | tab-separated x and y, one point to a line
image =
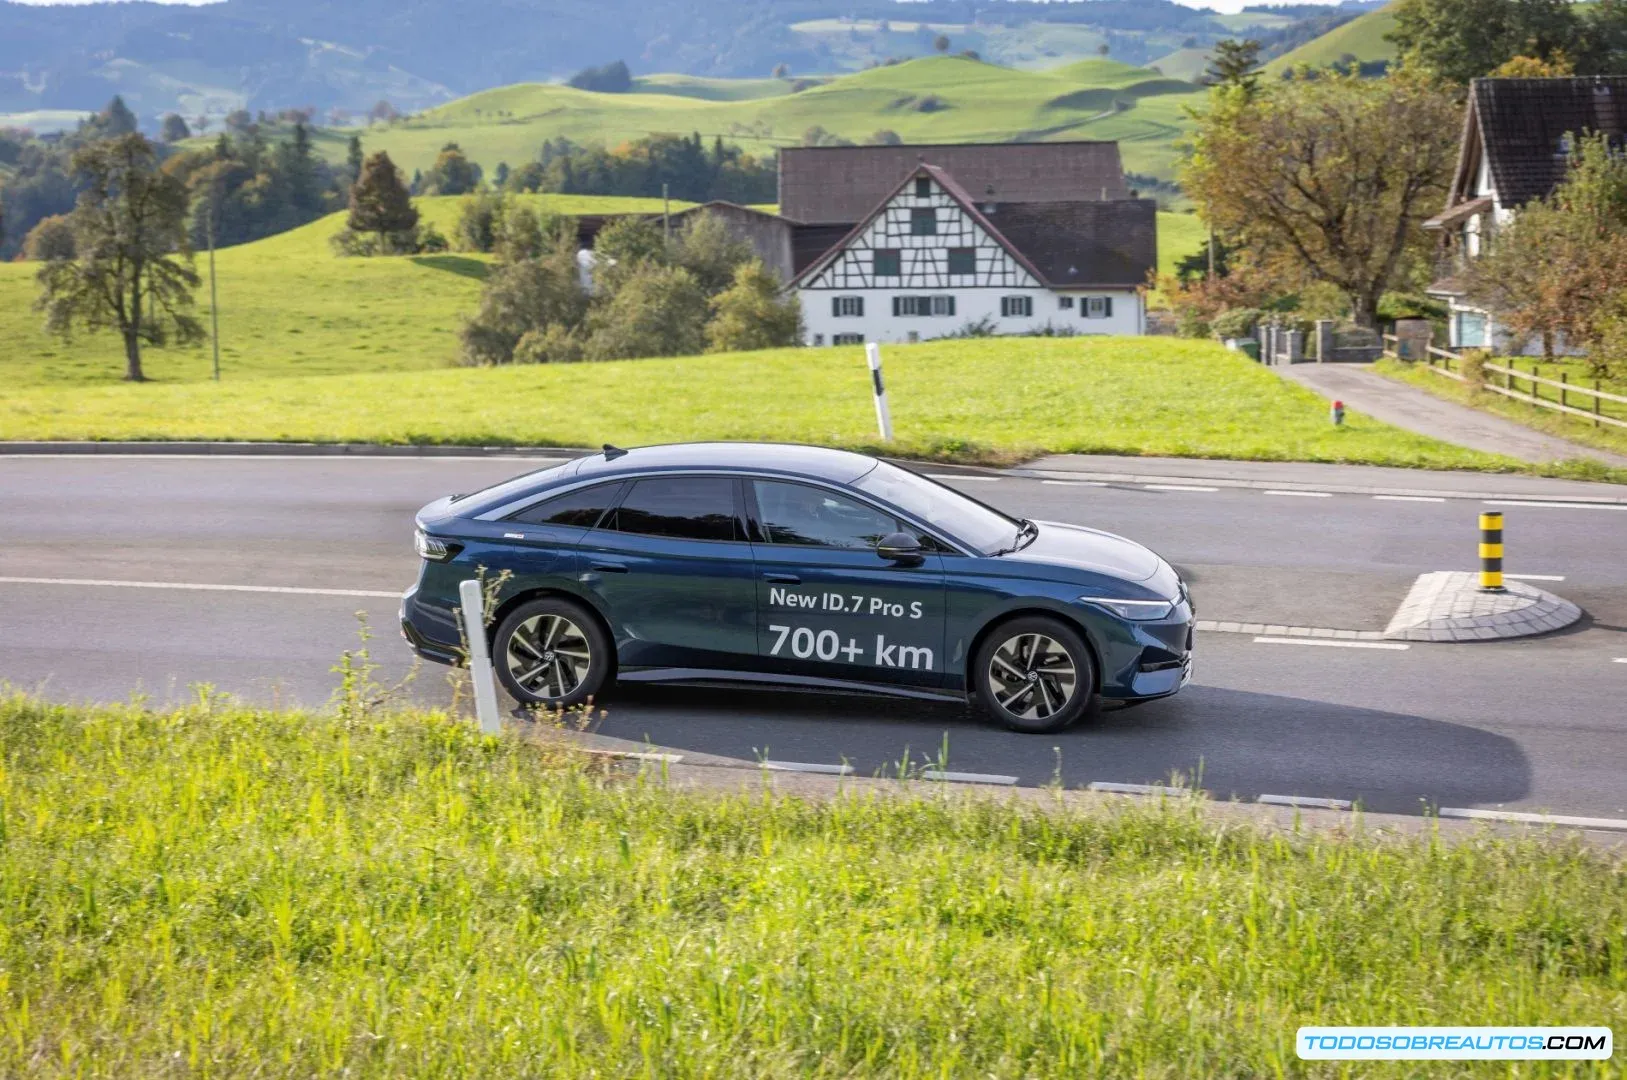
279	449
1119	476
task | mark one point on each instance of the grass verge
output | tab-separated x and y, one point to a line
1603	437
221	892
990	400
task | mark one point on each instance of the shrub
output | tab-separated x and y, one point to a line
654	311
51	238
553	344
479	221
752	314
519	299
1473	367
1235	323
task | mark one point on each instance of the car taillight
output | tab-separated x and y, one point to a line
434	548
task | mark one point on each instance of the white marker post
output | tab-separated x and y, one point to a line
474	628
884	418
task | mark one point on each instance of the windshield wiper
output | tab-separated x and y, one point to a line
1026	532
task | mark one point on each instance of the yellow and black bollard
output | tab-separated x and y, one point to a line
1491	552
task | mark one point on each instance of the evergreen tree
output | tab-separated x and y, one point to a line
379	202
297	168
353	159
1235	63
117	119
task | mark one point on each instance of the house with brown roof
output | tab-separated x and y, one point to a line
1518	135
905	243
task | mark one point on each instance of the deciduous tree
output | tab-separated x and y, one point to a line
132	270
752	313
174	129
655	311
1327	179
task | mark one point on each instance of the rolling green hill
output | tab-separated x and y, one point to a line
290	307
937	99
1361	37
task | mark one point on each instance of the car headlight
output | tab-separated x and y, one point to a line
434	548
1134	610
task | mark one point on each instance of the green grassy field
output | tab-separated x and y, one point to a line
215	892
1108	395
1361	37
1093	99
1179	235
290	307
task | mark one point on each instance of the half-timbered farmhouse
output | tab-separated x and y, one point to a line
906	243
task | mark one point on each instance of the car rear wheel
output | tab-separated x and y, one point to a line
551	652
1035	674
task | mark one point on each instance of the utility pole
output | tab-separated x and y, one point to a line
214	300
666	217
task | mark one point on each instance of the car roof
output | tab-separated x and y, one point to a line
819	462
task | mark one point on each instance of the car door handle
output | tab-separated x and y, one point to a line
610	567
782	579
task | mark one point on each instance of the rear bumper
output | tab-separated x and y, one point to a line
427	630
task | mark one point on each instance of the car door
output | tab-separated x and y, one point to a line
827	604
671	569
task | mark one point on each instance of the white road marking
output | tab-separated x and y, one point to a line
1135	789
1335	642
1302	494
1535	819
968	777
964	476
1556	505
1410	498
808	766
1178	487
1076	483
1536	577
1620	660
198	587
1304	800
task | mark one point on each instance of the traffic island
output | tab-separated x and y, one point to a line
1450	605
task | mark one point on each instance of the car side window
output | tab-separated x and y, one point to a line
583	507
682	507
815	517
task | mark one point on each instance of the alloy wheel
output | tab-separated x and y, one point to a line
548	656
1032	676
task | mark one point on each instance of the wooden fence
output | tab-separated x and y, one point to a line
1501	378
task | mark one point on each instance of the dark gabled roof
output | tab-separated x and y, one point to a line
1062	244
1523	126
833	184
1085	244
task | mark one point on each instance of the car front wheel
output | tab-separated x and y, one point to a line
551	652
1035	674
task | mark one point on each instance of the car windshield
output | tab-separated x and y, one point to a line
963	518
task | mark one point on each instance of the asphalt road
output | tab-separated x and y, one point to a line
1532	725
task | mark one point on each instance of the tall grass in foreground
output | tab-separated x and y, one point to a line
216	891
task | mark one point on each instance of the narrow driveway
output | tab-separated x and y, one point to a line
1363	389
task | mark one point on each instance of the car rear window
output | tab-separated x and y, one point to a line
681	507
583	507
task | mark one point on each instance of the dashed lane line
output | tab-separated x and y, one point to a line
968	777
1300	494
192	586
1411	498
1137	789
965	476
1556	505
1534	819
1075	483
1305	801
809	767
1536	577
1178	487
1342	644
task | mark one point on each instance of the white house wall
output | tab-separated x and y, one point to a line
923	271
971	305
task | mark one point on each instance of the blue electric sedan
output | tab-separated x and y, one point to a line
797	566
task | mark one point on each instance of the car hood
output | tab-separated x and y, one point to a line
1079	548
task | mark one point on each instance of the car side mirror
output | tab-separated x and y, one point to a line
900	547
